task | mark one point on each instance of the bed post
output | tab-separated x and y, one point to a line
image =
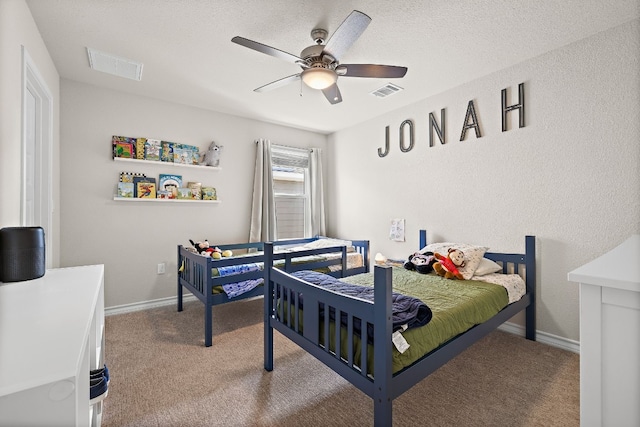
268	306
382	402
208	312
423	239
178	278
530	264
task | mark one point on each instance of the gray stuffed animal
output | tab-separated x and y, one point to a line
212	156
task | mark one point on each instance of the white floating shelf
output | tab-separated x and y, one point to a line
163	164
143	200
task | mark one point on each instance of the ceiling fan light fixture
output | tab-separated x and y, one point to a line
319	78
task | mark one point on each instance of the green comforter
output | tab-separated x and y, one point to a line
457	305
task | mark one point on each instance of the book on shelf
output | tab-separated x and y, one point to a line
209	193
184	193
165	194
124	146
166	152
186	154
196	190
144	188
152	149
140	144
125	189
128	176
170	182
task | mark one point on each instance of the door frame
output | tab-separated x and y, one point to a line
43	149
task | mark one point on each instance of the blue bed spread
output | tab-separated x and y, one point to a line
407	310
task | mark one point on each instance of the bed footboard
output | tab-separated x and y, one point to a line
282	312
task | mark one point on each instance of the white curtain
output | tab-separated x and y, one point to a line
316	193
263	208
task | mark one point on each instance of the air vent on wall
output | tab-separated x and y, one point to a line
386	90
111	64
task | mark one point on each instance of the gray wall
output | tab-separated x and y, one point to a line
571	176
130	239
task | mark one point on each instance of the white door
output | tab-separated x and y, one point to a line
37	204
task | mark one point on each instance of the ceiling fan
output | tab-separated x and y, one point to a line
320	63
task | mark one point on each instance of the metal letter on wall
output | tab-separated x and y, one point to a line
402	125
439	131
386	143
519	106
471	111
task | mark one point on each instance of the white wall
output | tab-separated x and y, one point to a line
571	176
17	29
132	238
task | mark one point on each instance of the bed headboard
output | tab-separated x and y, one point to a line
514	263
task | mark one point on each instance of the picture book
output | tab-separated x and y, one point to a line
125	189
196	190
145	188
171	183
152	149
184	193
124	147
140	143
166	152
209	193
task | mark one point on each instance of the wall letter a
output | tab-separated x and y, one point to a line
471	112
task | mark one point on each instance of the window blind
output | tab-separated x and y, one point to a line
292	157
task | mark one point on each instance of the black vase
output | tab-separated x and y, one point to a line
21	253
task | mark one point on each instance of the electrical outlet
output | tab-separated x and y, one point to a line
161	268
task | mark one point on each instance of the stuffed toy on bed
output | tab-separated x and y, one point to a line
422	263
447	266
203	248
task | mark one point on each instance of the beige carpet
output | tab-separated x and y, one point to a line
162	375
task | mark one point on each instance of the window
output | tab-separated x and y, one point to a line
290	167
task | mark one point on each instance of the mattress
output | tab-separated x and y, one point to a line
456	305
354	260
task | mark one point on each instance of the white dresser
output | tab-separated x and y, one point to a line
51	336
610	337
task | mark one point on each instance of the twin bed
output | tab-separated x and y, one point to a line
462	312
241	276
370	345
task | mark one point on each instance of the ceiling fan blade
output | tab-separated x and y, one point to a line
371	70
346	34
332	93
278	83
266	49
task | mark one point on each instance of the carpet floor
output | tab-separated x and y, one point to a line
162	375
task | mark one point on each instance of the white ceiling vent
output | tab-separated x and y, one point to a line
386	90
111	64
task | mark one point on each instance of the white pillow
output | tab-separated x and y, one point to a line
472	255
326	243
487	267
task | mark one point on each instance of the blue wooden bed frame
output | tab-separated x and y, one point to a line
194	271
384	385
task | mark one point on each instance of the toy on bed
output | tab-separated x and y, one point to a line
203	248
447	266
422	263
212	155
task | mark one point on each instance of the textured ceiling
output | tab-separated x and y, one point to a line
188	56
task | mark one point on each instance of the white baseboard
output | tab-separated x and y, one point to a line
145	305
543	337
